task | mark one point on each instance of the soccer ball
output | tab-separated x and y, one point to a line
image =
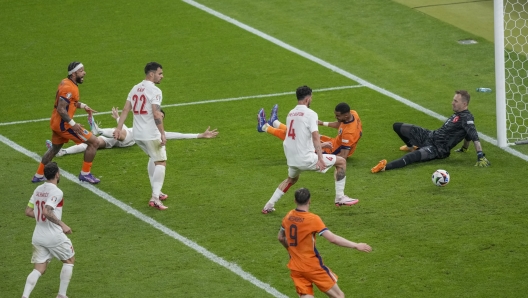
440	178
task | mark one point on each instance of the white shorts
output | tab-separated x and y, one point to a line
153	149
329	160
63	251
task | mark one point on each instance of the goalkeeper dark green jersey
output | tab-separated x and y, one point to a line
459	126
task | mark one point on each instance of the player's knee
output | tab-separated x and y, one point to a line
340	162
397	126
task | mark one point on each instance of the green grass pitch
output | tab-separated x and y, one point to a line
467	239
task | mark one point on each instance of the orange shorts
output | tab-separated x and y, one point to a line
62	137
324	279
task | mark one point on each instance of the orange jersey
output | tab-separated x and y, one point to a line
301	228
69	91
347	137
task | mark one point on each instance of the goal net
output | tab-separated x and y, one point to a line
512	79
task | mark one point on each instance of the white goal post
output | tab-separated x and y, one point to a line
511	71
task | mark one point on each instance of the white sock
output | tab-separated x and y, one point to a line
157	180
65	276
275	197
76	148
150	168
276	123
31	281
340	187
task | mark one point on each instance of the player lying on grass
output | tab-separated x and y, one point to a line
424	145
106	140
348	125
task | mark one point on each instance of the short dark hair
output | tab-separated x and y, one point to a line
152	66
302	195
464	94
302	92
50	170
342	108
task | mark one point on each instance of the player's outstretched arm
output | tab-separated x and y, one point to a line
208	134
338	240
334	124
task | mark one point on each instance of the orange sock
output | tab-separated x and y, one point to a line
87	166
283	127
40	170
279	133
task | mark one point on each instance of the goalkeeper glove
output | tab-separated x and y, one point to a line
462	149
482	161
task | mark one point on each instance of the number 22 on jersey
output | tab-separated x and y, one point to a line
139	104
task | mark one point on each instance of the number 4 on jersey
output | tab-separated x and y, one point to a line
291	131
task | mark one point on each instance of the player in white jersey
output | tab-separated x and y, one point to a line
106	138
49	239
302	148
145	102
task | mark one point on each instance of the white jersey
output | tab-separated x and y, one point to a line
298	145
129	139
46	233
142	97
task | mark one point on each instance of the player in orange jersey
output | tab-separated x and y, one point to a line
297	235
64	127
348	125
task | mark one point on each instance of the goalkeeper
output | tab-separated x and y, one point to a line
424	145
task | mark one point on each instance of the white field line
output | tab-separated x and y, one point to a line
191	244
342	72
197	103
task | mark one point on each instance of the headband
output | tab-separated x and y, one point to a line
76	68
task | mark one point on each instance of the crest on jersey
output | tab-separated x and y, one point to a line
455	120
54	199
68	96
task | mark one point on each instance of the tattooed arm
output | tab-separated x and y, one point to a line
50	215
158	119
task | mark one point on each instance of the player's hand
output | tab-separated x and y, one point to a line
116	133
77	128
66	229
163	139
462	150
115	113
326	145
89	110
208	134
320	166
482	161
363	247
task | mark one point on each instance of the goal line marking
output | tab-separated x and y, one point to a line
342	72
